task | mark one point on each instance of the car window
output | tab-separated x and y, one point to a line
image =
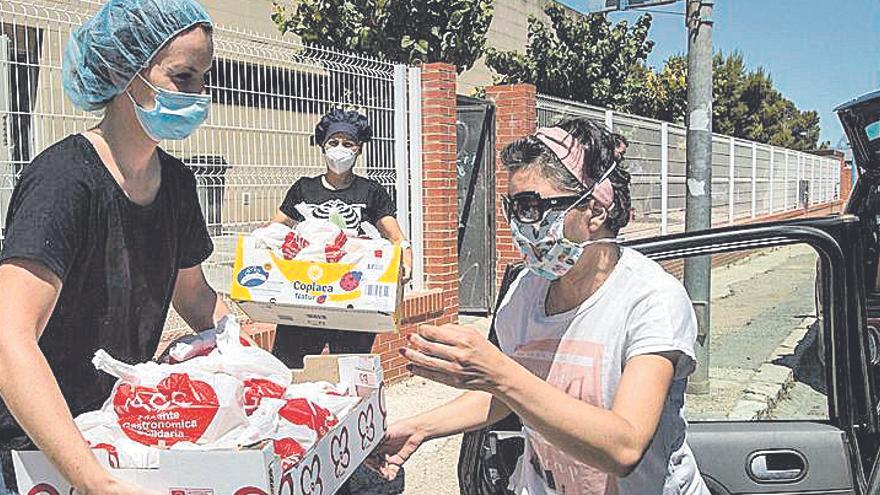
764	353
872	130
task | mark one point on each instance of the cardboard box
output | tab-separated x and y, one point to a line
363	297
257	471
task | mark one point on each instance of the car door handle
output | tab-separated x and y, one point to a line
779	466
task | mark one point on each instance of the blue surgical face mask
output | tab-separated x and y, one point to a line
174	116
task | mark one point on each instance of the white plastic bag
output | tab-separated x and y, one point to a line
359	248
271	236
316	240
325	395
240	361
160	404
103	433
234	397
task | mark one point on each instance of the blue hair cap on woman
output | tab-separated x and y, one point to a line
349	122
108	50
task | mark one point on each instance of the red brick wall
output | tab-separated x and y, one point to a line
515	117
439	304
440	184
418	309
845	181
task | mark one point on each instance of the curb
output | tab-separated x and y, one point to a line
771	383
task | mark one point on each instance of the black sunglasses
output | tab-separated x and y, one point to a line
530	207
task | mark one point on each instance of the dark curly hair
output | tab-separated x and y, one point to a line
599	144
350	122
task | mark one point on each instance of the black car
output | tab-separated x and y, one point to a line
815	427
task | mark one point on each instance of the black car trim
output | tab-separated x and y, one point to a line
842	404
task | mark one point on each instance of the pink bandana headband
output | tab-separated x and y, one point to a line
571	153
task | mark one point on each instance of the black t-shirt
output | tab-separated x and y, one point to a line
364	200
118	263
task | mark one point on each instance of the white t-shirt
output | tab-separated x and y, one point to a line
640	309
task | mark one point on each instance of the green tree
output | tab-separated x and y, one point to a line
582	58
662	94
409	31
746	104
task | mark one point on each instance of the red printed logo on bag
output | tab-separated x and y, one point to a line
112	454
256	389
306	413
289	450
178	409
334	251
293	244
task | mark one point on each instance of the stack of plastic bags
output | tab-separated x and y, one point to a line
321	240
233	396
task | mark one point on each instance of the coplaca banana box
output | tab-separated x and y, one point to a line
364	296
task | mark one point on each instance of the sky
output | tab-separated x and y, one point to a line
820	53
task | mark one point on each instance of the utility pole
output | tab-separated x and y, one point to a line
698	202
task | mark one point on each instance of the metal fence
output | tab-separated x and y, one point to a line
748	179
268	93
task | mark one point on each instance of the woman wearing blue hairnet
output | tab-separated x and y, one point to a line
105	232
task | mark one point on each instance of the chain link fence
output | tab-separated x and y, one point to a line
749	179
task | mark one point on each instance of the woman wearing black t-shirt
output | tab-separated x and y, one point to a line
343	197
104	233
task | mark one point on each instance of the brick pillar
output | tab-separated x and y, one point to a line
516	116
440	184
845	179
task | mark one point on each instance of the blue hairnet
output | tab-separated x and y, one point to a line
108	50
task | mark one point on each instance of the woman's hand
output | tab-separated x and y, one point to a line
458	356
401	441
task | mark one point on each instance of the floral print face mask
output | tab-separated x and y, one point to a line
548	253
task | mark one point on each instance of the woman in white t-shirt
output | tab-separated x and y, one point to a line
596	341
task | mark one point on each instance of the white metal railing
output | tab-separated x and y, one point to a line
268	91
749	179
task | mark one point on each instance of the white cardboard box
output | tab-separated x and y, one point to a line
324	468
271	289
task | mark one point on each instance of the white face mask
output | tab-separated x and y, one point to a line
340	159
